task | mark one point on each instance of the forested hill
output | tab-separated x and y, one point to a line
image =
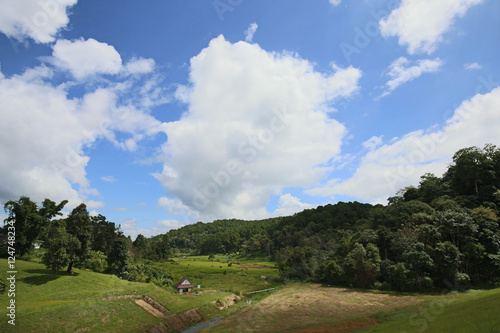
443	231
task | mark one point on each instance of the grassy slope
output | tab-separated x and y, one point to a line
73	303
473	311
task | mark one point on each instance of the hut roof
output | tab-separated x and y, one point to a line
184	283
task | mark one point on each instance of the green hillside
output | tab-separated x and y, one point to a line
71	303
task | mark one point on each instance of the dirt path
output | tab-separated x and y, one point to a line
149	308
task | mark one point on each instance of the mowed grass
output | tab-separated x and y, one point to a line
304	307
75	303
472	311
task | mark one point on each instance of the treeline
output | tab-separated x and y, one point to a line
78	240
443	232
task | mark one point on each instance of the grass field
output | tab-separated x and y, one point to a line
304	307
75	303
474	311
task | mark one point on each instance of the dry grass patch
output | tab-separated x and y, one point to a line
309	306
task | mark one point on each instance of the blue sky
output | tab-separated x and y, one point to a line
159	114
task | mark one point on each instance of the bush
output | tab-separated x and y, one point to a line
97	262
3	286
140	272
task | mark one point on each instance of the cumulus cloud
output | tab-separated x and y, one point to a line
140	66
373	142
256	122
289	205
400	72
92	204
252	28
335	2
44	134
38	20
132	227
401	162
421	24
85	58
170	224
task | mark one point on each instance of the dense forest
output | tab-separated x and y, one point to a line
443	232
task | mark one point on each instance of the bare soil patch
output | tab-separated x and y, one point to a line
149	308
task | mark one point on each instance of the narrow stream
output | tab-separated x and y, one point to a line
203	325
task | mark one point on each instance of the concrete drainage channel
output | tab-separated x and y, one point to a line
171	323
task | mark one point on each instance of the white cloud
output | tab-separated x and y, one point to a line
140	66
176	207
85	58
252	28
43	134
256	122
373	142
472	66
39	20
401	163
94	204
335	2
131	227
400	72
170	224
109	179
289	205
421	24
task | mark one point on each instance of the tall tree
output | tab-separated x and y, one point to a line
61	249
31	222
79	225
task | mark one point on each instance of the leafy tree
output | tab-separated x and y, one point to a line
31	222
119	256
363	265
419	264
61	249
79	225
446	258
333	273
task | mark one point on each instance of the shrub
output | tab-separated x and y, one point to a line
97	262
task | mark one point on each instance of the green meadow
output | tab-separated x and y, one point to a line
75	303
472	311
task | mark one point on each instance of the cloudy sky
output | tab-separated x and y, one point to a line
158	114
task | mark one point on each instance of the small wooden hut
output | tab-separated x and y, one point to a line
184	286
